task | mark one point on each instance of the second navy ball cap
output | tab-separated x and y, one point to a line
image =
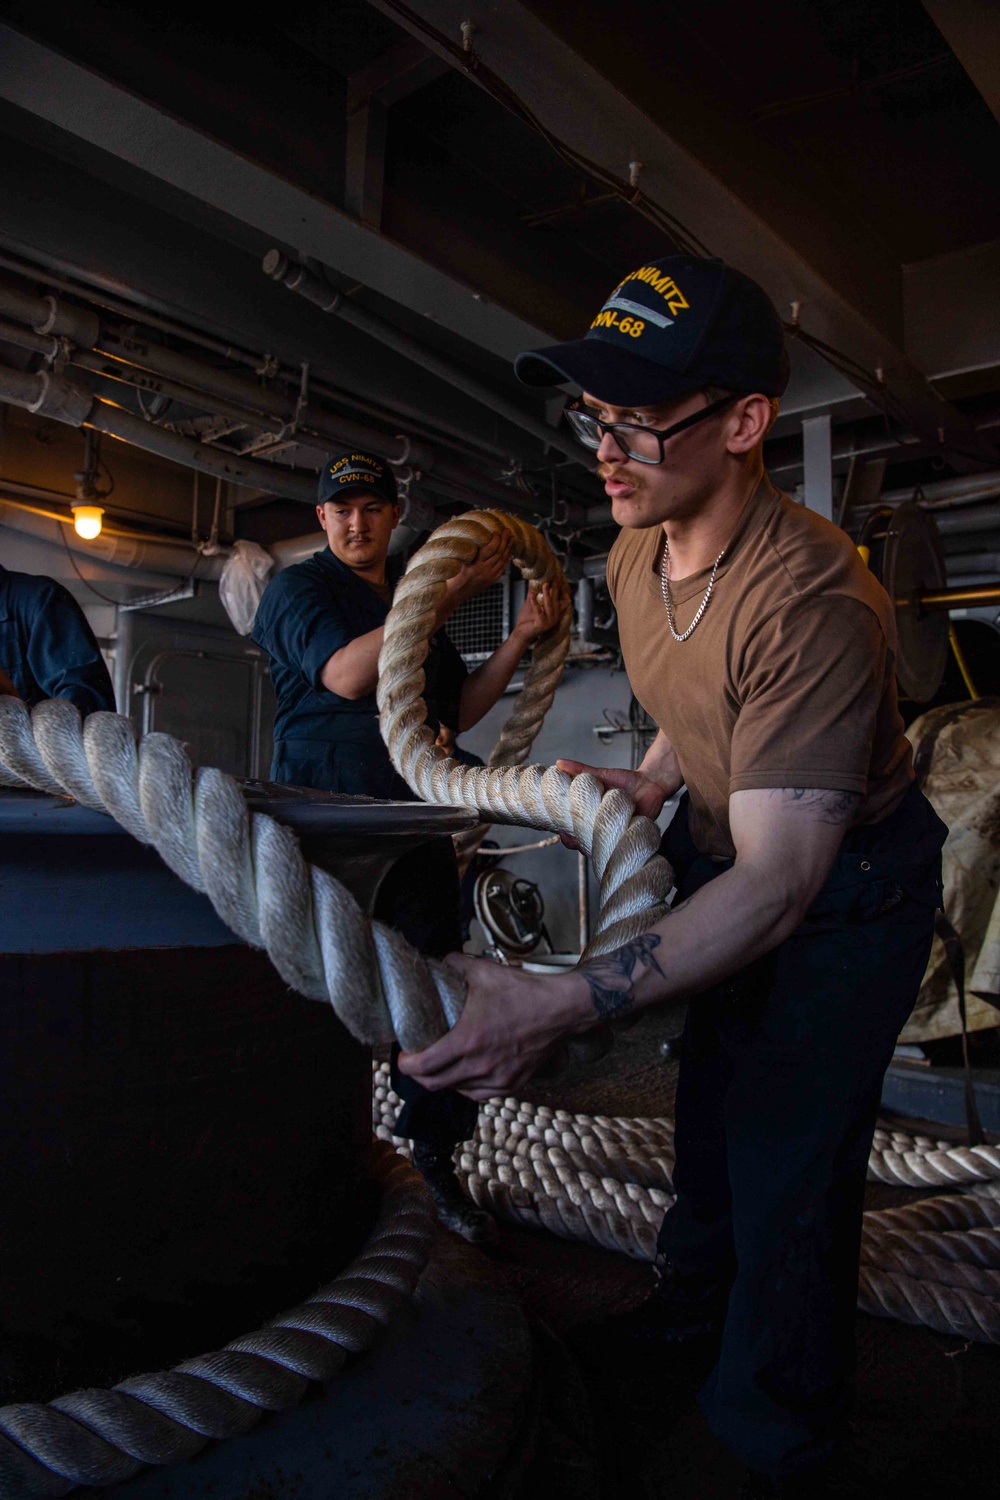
674	325
351	471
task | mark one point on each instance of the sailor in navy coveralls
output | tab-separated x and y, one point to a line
321	624
47	649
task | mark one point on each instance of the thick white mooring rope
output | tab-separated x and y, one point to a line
634	878
249	866
102	1437
594	1178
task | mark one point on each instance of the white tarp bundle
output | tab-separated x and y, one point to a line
242	583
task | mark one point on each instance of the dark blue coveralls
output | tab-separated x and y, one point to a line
780	1079
321	740
46	646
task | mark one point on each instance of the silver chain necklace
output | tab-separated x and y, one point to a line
665	586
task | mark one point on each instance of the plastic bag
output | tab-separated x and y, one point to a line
242	583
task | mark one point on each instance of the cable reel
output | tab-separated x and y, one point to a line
511	912
902	547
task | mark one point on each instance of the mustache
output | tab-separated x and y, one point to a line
616	472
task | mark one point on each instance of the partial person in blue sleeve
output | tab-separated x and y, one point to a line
321	623
47	649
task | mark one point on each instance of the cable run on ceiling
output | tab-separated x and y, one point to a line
465	57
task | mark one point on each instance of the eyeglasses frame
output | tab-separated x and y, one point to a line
662	434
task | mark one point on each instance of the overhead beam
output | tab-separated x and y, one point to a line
53	87
972	30
694	156
397	73
952	305
84	227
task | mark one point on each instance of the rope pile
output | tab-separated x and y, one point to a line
102	1437
607	1181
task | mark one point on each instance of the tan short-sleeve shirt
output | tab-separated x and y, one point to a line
788	678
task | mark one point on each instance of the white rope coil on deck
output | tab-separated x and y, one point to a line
607	1181
102	1437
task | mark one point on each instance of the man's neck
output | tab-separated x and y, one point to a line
697	540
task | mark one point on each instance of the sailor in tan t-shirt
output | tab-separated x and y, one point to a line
798	647
807	861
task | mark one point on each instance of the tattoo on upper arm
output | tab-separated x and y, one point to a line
610	976
831	807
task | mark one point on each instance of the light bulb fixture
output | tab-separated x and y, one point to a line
88	521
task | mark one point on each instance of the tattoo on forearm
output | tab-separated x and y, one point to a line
831	807
610	976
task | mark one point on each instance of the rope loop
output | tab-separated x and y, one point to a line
634	878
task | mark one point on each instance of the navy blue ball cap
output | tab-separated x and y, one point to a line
674	325
352	471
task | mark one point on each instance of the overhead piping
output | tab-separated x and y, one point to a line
120	351
115	549
172	557
397	412
65	400
297	278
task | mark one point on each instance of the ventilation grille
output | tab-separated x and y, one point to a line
479	626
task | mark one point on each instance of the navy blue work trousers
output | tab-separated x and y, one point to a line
780	1079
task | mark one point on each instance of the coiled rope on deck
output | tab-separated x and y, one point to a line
102	1437
607	1181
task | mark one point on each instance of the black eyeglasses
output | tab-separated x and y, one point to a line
644	444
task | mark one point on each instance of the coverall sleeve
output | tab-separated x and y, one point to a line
63	655
300	626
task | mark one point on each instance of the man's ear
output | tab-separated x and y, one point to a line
396	513
755	414
321	515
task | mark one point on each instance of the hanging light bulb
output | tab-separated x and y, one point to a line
87	521
87	517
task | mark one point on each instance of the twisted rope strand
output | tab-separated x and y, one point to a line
102	1437
249	866
917	1161
634	878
